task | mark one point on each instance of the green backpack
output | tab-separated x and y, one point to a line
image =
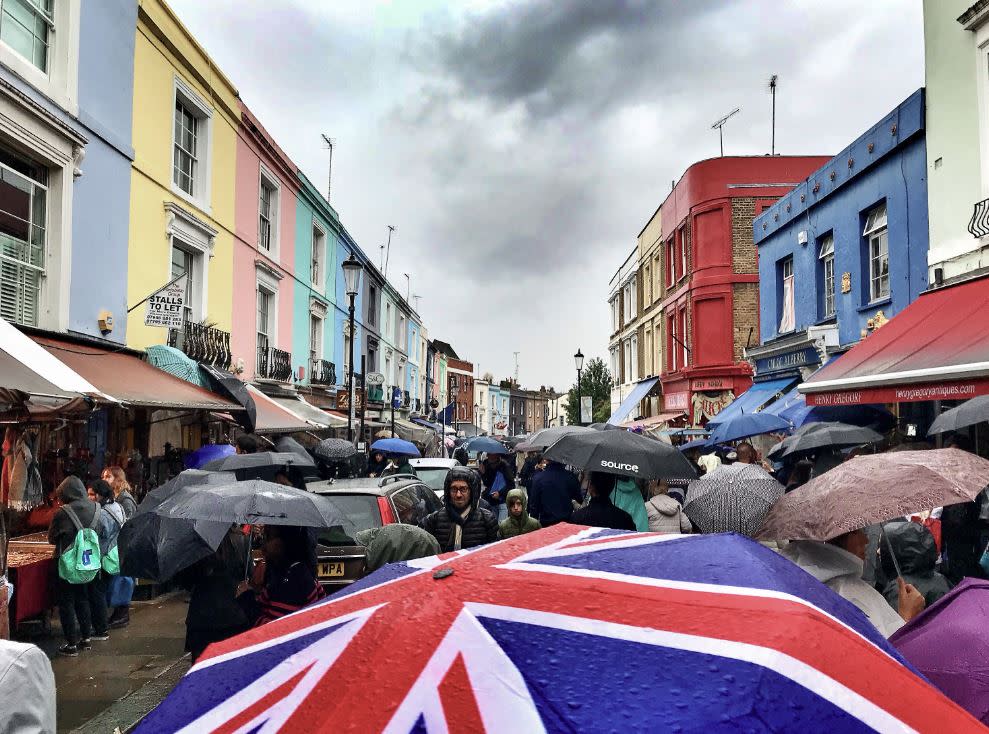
111	559
80	562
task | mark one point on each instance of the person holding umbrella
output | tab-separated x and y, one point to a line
398	464
600	512
377	464
554	493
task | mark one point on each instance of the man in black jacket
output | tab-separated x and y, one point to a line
554	490
600	512
461	523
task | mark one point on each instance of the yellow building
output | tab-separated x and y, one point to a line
186	114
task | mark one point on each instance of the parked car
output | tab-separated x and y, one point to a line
367	503
432	472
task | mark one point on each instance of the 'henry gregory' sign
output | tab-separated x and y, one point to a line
165	307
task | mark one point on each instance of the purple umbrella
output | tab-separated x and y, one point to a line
205	454
947	642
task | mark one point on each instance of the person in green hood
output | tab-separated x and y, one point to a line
628	497
518	521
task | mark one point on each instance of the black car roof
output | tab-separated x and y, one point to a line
375	486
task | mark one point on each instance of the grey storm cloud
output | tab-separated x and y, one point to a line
519	146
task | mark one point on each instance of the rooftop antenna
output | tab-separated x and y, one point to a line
388	250
720	124
329	175
772	91
417	298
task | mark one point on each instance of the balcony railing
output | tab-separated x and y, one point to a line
202	343
322	372
978	225
273	363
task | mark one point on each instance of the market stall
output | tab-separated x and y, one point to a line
31	569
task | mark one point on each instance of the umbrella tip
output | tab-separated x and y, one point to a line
442	573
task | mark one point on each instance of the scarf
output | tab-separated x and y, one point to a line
458	528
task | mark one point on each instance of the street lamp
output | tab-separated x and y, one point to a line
352	282
578	360
477	419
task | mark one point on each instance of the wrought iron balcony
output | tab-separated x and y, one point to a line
202	343
273	363
322	372
978	225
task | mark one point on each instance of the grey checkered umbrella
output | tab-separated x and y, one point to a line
732	498
334	449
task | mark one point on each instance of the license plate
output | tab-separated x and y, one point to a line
331	568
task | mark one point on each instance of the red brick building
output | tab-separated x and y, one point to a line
710	278
460	388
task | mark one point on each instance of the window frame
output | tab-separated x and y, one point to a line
316	325
876	234
49	22
317	258
268	284
40	271
670	262
825	255
784	264
60	81
274	206
183	94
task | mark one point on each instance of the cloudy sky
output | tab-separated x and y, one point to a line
518	147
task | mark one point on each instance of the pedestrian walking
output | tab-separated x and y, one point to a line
112	518
67	533
529	469
518	521
665	515
398	464
461	523
554	493
916	555
600	512
498	478
627	496
122	492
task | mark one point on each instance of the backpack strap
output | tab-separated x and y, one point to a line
96	518
73	517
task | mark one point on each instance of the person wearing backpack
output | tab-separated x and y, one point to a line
112	518
73	532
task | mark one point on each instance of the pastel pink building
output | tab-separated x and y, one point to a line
264	255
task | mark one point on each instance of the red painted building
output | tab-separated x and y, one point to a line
710	276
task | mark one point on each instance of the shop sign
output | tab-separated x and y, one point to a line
343	399
902	393
676	401
711	383
788	361
708	406
374	378
166	306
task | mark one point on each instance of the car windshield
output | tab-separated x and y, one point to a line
432	477
361	509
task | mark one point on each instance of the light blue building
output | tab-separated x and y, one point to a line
66	156
844	251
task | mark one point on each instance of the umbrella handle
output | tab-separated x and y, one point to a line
889	545
247	561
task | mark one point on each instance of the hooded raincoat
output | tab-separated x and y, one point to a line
477	526
394	543
628	497
62	533
916	552
512	526
841	571
666	516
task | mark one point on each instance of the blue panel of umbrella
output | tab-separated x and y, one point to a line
748	424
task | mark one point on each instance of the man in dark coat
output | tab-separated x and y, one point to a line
554	490
600	512
529	469
461	523
79	619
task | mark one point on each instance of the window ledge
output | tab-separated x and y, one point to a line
832	319
876	304
201	205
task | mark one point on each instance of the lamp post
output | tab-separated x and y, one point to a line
352	280
578	360
477	419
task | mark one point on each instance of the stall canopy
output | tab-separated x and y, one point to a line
318	418
30	369
652	421
937	348
132	381
753	399
629	404
273	418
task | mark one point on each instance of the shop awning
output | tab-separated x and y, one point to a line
28	368
273	418
318	418
413	431
937	348
752	399
131	380
629	404
653	421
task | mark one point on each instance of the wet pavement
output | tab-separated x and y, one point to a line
117	682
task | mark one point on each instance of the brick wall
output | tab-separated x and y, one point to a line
744	252
745	313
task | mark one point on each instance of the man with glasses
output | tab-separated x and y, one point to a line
461	523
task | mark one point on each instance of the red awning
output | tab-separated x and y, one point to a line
131	380
653	421
273	418
937	348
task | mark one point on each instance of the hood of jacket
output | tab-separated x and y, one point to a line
519	494
914	546
473	480
71	489
665	505
396	542
823	561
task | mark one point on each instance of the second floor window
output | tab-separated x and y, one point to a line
266	326
23	197
186	157
877	240
372	305
267	212
25	26
315	339
184	263
318	255
826	257
787	305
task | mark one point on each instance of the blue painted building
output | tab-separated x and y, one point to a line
845	250
66	94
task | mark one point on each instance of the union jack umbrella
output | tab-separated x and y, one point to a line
567	629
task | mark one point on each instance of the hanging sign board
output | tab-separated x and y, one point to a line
374	378
166	307
586	412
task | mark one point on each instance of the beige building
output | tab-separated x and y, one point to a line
623	346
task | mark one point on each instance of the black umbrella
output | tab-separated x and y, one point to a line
156	547
288	445
254	502
334	449
606	427
227	384
824	435
622	453
546	437
967	414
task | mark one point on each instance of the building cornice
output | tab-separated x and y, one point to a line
975	16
